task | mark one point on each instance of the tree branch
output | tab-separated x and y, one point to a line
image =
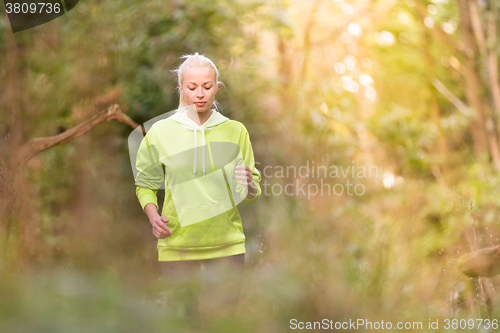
37	145
450	96
492	62
477	28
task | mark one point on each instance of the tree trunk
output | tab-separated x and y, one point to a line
473	82
14	104
441	149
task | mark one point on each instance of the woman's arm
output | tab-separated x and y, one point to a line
149	178
248	173
244	173
160	229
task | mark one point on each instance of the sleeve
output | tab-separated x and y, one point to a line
249	160
150	174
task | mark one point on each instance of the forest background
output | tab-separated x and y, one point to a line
409	88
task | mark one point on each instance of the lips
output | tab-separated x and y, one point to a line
200	103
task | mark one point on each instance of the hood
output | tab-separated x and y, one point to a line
215	119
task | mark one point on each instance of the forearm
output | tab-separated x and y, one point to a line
146	196
151	211
252	191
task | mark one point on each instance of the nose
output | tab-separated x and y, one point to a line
200	93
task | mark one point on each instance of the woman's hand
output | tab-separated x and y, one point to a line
160	229
244	173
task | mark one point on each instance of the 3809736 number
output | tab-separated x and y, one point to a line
470	323
18	8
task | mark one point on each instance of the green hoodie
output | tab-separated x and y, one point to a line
197	166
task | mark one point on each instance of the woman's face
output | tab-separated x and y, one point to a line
199	87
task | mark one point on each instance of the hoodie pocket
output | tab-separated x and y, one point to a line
175	228
214	231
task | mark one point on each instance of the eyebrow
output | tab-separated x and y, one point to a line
203	83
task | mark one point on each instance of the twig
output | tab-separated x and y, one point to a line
37	145
450	96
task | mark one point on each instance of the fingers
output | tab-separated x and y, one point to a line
160	230
240	168
246	182
244	173
157	234
160	223
161	234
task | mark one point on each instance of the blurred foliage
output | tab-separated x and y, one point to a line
346	84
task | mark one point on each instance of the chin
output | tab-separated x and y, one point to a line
203	109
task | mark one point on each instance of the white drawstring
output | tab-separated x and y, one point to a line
196	149
195	154
203	151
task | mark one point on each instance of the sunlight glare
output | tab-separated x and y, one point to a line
366	80
370	95
390	180
384	38
428	21
349	84
403	18
432	9
349	62
347	9
339	68
448	27
354	29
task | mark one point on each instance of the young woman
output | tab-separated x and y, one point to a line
207	163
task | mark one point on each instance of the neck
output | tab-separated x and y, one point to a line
199	117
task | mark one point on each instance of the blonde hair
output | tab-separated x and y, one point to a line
194	60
